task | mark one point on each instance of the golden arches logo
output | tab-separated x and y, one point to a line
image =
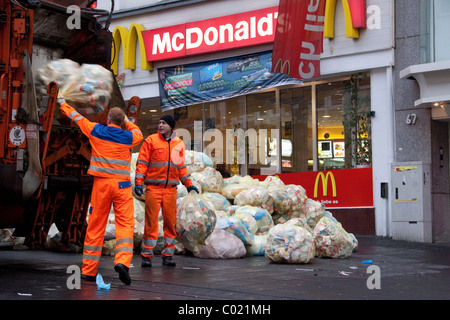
330	11
128	39
324	178
280	67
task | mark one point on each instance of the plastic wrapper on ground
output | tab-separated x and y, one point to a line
196	220
288	199
313	211
289	244
222	244
258	247
262	219
332	241
256	197
210	179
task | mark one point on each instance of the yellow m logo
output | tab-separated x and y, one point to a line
324	179
280	67
128	39
330	11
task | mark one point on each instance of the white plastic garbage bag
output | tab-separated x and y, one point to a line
257	197
234	185
222	244
219	201
289	244
313	211
332	241
237	227
210	179
262	219
196	161
87	87
258	247
196	220
288	199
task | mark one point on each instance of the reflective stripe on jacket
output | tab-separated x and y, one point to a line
161	162
111	146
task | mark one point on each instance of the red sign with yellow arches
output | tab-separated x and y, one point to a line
345	188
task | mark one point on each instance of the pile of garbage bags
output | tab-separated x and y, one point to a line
242	216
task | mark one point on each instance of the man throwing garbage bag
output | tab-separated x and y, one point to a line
110	165
161	166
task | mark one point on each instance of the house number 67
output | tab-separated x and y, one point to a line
411	118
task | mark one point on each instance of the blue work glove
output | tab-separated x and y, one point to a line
139	190
189	189
61	100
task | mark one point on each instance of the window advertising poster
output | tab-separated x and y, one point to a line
189	84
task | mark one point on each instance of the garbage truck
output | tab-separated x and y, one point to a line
44	158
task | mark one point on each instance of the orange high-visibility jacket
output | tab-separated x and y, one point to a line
111	146
161	162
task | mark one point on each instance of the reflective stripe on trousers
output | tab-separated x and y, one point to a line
157	197
106	191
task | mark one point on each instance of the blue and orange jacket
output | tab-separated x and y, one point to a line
111	146
162	162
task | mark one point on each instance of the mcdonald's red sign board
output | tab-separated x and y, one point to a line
345	188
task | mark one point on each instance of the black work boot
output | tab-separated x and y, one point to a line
168	261
146	262
88	278
124	276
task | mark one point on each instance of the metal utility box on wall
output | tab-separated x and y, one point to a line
411	201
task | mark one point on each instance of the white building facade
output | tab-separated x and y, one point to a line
308	116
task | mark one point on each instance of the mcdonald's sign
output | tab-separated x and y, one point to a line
355	17
128	39
324	178
344	188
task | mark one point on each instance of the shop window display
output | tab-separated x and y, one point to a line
272	131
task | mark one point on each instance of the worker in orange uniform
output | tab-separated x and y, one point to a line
161	166
110	165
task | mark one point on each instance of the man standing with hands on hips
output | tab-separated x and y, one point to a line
161	166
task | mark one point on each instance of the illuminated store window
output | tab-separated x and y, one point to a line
263	133
296	130
330	129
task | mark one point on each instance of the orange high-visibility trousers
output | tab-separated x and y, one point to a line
156	198
107	191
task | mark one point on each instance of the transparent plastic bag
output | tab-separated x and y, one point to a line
288	198
196	220
313	211
332	241
289	244
196	161
210	179
256	197
87	87
261	217
222	244
219	201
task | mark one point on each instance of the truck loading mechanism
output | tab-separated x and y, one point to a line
44	158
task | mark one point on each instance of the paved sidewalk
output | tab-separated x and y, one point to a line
407	271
